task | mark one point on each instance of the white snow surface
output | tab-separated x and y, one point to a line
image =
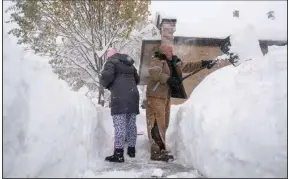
235	122
47	127
157	173
233	125
244	41
222	28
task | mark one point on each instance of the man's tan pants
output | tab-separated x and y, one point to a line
158	116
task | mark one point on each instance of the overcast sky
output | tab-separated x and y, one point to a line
196	10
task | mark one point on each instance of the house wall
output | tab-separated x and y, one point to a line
148	49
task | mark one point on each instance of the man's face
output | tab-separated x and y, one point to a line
168	51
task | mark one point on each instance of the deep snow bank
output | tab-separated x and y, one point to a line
49	131
235	122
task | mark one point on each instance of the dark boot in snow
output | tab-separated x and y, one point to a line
158	155
131	152
116	157
162	157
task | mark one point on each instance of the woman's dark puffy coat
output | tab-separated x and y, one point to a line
121	78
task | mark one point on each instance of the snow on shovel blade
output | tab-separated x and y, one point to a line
234	60
225	48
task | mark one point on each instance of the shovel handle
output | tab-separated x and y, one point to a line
187	76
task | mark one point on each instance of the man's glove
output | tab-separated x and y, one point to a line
160	55
208	63
173	81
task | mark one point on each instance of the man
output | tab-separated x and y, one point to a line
165	72
121	78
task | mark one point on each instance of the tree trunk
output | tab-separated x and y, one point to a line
100	95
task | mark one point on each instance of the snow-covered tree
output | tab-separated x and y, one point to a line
77	34
132	45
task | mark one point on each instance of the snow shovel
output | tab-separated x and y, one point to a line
234	63
190	74
225	47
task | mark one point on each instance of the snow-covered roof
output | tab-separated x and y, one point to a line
166	15
222	28
213	28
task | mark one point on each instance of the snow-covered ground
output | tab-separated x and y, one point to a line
233	125
235	122
47	127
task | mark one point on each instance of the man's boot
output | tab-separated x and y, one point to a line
162	157
158	155
131	152
116	157
165	156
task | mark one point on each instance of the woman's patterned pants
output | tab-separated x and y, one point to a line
124	130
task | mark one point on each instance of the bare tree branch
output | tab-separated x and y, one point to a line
78	66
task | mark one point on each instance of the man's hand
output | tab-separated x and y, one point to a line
208	63
173	81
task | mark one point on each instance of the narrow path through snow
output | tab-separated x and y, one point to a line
141	166
145	168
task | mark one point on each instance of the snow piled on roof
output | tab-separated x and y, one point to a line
222	28
165	15
215	28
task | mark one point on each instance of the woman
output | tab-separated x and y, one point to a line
121	78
